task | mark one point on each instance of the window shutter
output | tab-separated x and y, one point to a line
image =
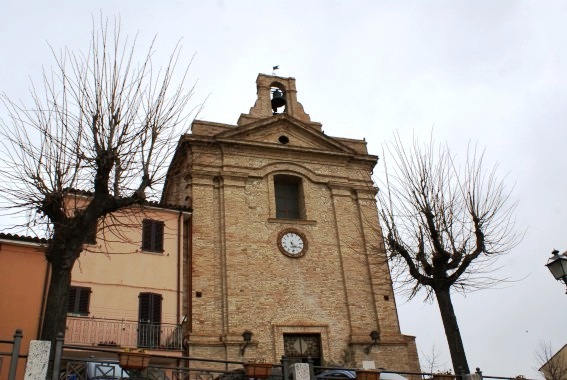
84	300
147	235
158	237
144	307
156	308
72	299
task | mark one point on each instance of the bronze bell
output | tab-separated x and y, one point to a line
278	100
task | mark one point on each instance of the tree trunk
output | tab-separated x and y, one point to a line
55	318
452	332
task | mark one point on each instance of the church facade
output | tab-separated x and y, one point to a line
284	240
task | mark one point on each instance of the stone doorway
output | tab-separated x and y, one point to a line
299	347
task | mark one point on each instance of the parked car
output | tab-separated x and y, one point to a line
346	374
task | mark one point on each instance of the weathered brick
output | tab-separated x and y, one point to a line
340	289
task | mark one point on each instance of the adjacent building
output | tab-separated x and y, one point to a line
555	366
127	287
24	275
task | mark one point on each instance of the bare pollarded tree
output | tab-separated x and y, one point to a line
102	121
444	226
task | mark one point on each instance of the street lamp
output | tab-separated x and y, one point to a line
557	265
247	336
374	335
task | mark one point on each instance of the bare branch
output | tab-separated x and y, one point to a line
445	224
104	122
448	222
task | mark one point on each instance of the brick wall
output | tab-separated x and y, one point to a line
340	289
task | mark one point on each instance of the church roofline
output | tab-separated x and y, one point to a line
333	141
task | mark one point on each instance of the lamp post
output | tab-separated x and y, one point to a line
557	265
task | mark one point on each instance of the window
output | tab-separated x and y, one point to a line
152	236
149	319
90	237
79	299
288	197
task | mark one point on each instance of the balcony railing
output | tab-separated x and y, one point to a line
121	333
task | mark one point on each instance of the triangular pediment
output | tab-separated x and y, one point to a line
278	129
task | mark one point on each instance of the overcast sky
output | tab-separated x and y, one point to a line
484	71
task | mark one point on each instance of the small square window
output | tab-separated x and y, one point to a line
152	235
79	300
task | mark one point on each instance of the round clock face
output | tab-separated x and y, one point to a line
292	243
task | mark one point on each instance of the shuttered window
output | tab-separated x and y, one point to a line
79	299
152	235
149	320
150	308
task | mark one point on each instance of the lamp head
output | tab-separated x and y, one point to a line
247	335
374	335
557	265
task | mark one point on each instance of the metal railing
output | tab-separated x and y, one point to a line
122	333
14	354
185	368
181	367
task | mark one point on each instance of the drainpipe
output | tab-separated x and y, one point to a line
189	288
190	275
179	250
43	299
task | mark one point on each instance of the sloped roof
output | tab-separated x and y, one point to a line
23	238
166	206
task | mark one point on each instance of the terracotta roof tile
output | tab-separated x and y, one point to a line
17	237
